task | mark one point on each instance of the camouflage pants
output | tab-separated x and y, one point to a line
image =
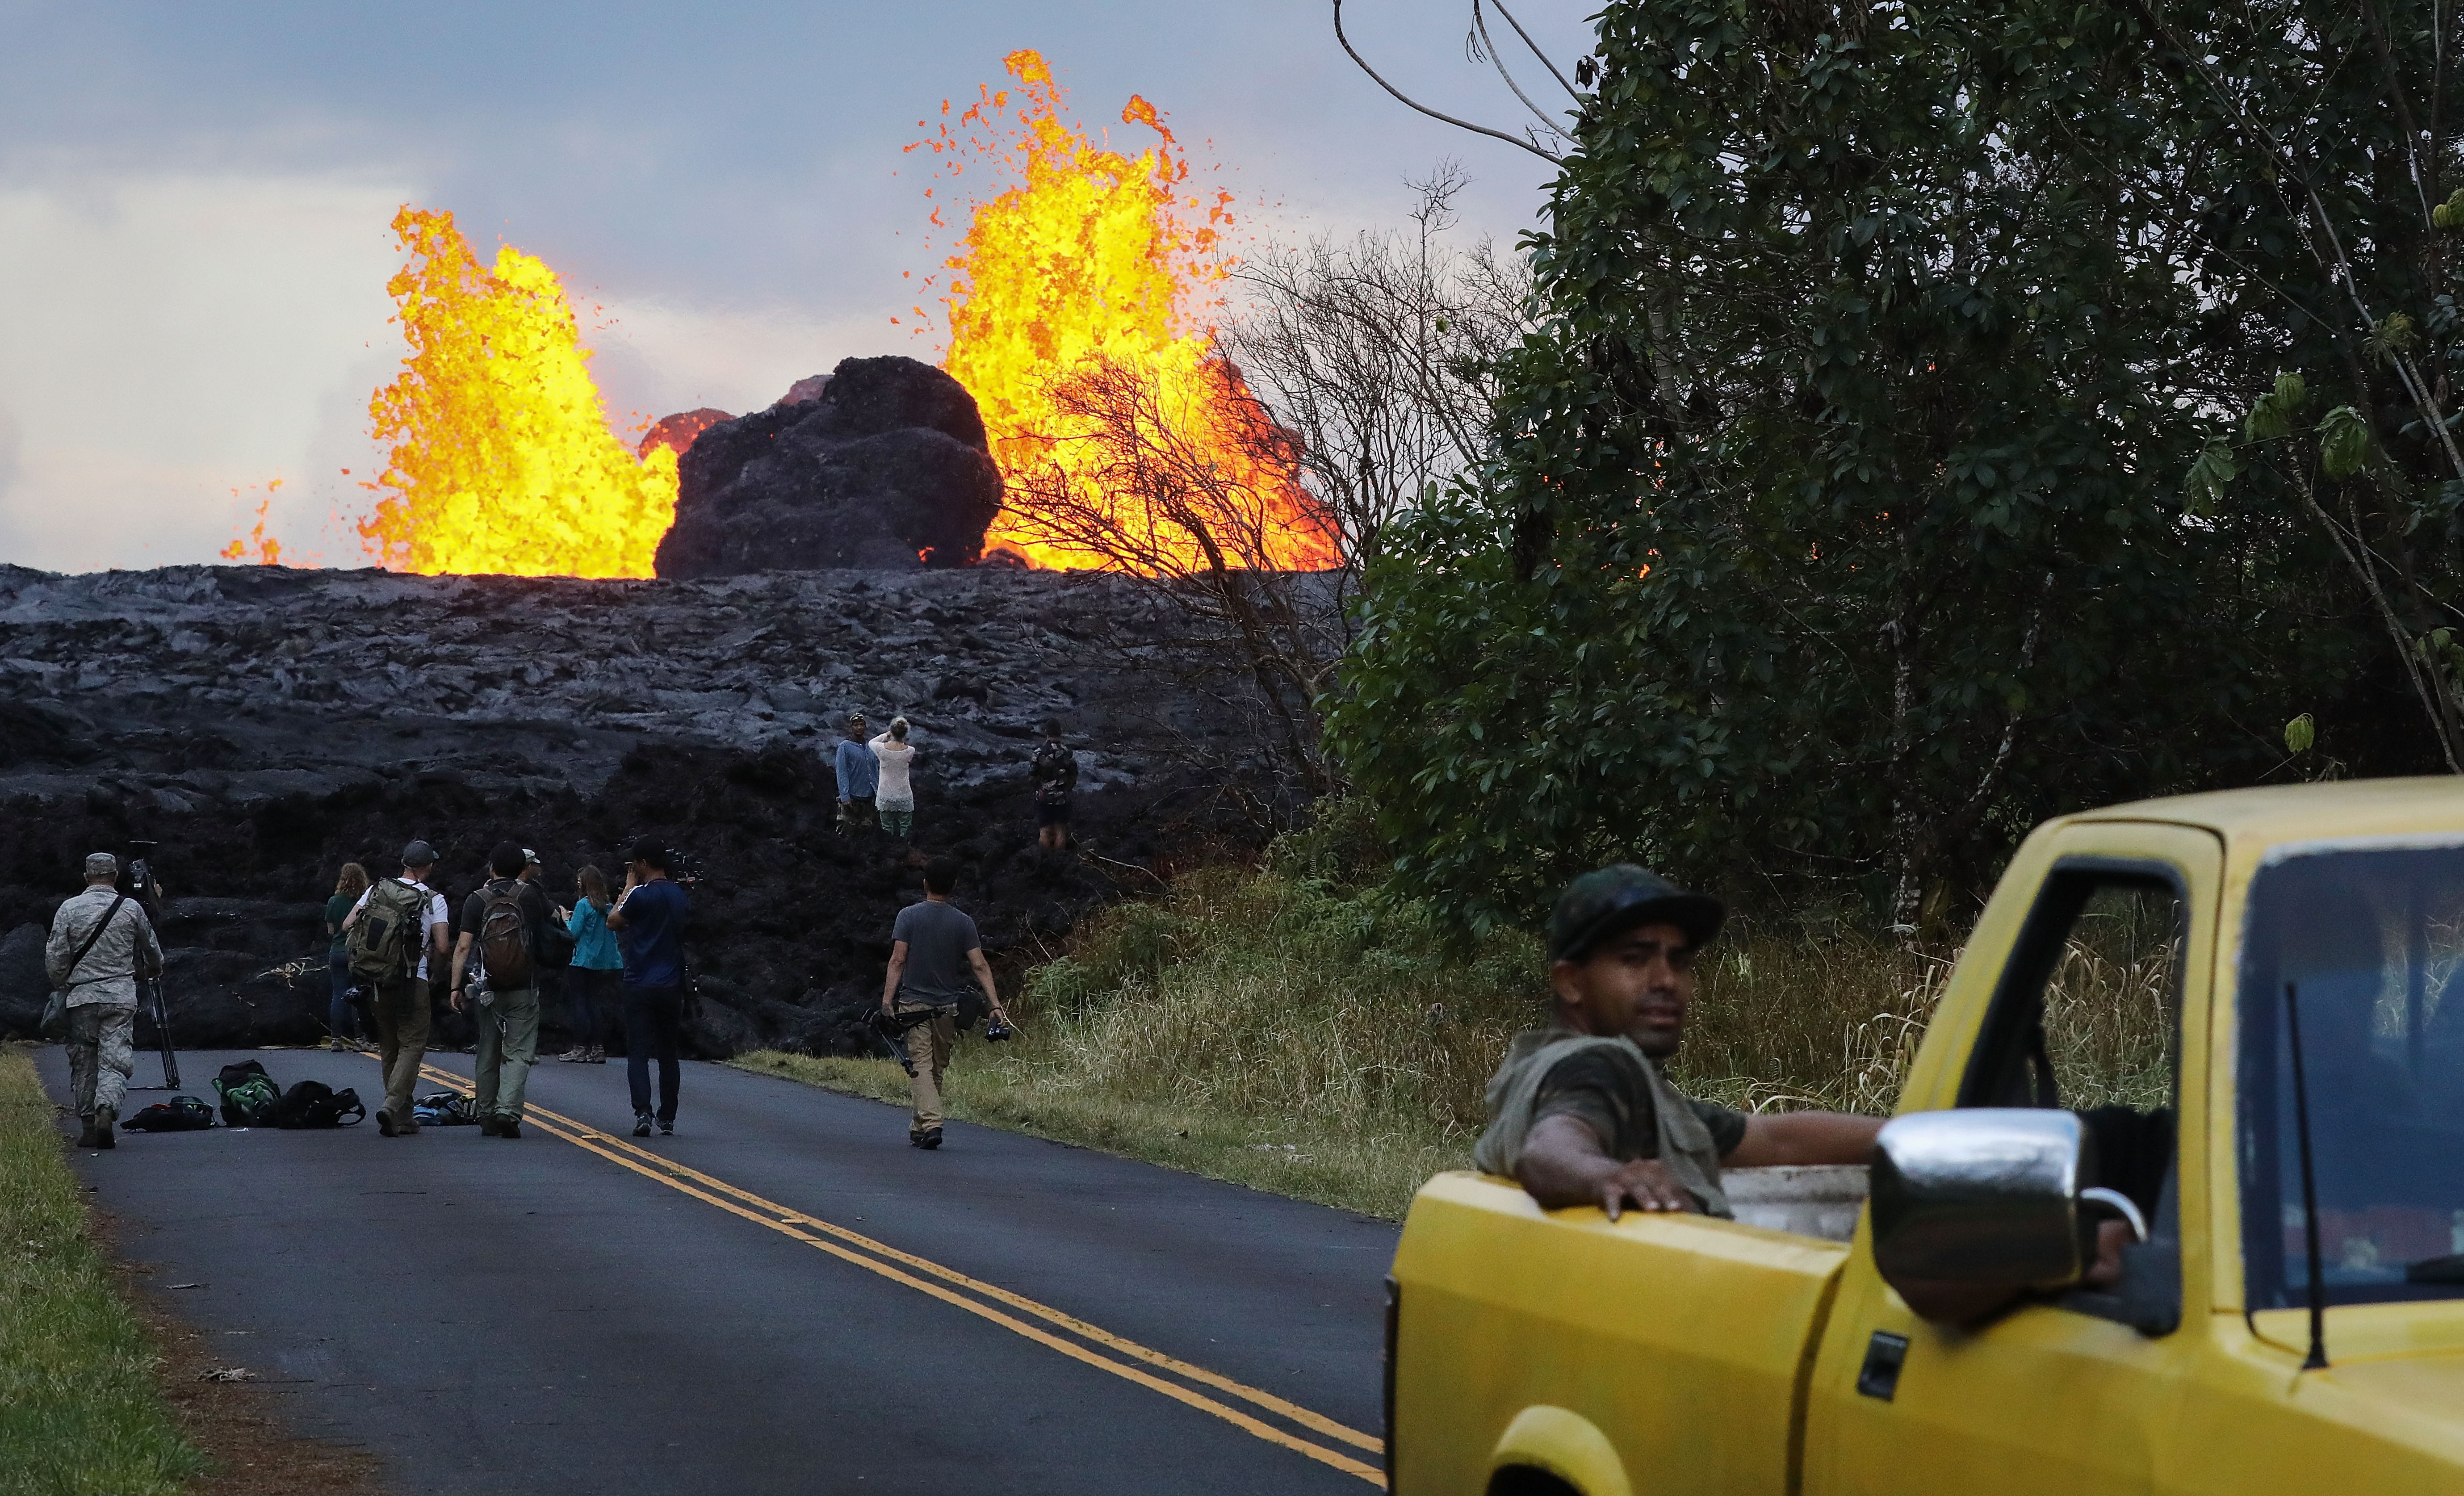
103	1054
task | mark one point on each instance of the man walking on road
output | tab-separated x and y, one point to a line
505	920
406	928
934	949
859	775
101	942
650	923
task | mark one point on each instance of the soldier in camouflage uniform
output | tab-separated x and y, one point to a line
103	993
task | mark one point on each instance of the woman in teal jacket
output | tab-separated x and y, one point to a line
597	966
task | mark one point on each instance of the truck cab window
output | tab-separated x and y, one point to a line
2087	1018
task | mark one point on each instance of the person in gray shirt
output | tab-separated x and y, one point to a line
935	956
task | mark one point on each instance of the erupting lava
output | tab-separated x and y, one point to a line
501	457
1095	261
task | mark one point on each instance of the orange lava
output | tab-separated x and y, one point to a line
1096	258
256	547
501	459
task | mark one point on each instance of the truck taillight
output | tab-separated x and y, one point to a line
1394	1319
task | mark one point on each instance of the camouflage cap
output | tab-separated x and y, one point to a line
1611	900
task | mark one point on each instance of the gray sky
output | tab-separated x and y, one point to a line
193	202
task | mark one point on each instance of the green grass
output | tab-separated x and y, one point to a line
1280	1030
79	1411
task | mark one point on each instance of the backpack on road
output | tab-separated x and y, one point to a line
313	1103
249	1095
384	943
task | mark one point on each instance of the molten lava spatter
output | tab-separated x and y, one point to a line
501	457
1092	261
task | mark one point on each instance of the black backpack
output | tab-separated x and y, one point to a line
313	1104
178	1114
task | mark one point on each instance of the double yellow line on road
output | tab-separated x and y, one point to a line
1068	1335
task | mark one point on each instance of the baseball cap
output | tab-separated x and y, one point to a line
418	854
1615	899
102	865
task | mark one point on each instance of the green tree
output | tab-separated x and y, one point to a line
1843	519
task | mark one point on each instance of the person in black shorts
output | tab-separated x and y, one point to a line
1055	773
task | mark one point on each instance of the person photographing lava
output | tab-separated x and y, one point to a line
1580	1112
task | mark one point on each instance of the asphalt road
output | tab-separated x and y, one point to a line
783	1297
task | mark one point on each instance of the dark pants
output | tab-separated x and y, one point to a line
341	1018
654	1021
594	998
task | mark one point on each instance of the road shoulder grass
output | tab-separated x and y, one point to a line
1372	1174
79	1407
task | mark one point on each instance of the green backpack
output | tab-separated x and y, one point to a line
249	1095
383	941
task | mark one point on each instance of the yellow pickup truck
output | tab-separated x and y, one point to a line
2289	1314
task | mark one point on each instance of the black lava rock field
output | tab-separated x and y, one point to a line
264	725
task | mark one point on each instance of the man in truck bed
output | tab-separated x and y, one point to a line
1580	1112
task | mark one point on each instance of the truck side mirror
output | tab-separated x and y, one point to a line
1972	1208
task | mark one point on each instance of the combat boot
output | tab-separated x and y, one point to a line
85	1135
103	1125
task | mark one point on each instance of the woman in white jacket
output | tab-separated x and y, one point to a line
895	798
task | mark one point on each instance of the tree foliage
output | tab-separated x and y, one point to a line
1923	435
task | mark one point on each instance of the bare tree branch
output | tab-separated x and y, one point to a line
1463	124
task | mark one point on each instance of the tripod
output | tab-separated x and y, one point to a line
148	891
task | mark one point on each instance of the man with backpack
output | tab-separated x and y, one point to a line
650	923
397	926
504	920
1055	773
934	953
101	942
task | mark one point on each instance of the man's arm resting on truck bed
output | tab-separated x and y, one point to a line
1564	1164
1786	1137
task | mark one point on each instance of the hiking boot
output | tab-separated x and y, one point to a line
598	1056
507	1127
641	1124
102	1121
488	1127
573	1056
386	1127
85	1135
928	1139
666	1128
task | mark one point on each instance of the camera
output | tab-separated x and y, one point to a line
994	1031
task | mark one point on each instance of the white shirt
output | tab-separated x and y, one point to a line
897	791
435	917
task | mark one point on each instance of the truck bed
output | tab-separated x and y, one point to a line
1554	1340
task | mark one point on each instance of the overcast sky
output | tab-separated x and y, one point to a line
194	199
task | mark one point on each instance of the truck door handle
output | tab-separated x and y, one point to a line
1884	1355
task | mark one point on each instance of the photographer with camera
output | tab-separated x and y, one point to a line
934	949
102	943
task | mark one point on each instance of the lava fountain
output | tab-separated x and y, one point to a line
501	460
1094	263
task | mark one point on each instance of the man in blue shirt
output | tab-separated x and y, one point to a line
859	775
650	923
